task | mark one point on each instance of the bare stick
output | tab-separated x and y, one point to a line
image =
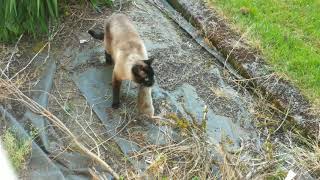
242	36
13	53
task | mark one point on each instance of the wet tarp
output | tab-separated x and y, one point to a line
171	46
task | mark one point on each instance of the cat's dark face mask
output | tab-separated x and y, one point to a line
143	73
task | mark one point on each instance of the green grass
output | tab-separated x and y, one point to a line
17	150
288	34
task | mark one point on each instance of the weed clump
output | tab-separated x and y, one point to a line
18	150
181	123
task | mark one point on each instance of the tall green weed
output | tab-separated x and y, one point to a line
31	16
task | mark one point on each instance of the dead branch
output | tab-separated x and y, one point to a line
37	108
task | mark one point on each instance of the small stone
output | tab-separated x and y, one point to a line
83	41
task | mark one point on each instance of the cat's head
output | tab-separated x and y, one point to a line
143	72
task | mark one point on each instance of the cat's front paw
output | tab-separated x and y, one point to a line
115	105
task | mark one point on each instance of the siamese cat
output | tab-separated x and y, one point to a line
127	51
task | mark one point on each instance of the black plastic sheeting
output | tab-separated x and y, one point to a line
43	163
95	84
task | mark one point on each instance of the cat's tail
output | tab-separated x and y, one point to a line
96	34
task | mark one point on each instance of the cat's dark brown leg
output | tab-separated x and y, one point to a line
108	58
116	85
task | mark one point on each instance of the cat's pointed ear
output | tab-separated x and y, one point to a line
149	61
